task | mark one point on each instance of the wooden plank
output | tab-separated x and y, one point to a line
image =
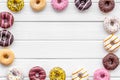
70	14
59	49
69	65
59	31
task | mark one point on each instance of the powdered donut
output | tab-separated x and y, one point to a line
37	5
111	24
111	43
101	74
57	73
6	57
14	74
59	5
6	19
110	61
15	5
6	38
83	4
37	73
106	5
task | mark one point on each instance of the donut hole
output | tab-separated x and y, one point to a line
5	56
59	1
107	3
57	74
4	38
5	20
110	61
112	42
37	75
83	2
38	2
14	73
102	75
80	75
112	23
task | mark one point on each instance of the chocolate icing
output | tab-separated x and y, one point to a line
110	61
106	5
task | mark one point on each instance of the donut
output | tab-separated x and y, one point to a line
6	38
6	20
106	5
15	5
110	61
37	5
101	74
37	73
80	75
111	43
83	4
14	74
59	5
57	73
6	57
111	24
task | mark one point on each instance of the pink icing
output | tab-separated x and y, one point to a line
101	74
59	6
6	16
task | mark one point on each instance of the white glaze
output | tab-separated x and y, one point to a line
111	24
14	74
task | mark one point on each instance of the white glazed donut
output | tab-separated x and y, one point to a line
14	74
111	24
112	43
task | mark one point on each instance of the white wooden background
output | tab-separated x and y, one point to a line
69	39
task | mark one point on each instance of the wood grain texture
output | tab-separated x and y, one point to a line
59	49
59	31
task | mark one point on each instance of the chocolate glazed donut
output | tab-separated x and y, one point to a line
110	61
37	73
6	38
83	4
106	5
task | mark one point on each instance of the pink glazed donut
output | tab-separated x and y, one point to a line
6	20
101	74
59	5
